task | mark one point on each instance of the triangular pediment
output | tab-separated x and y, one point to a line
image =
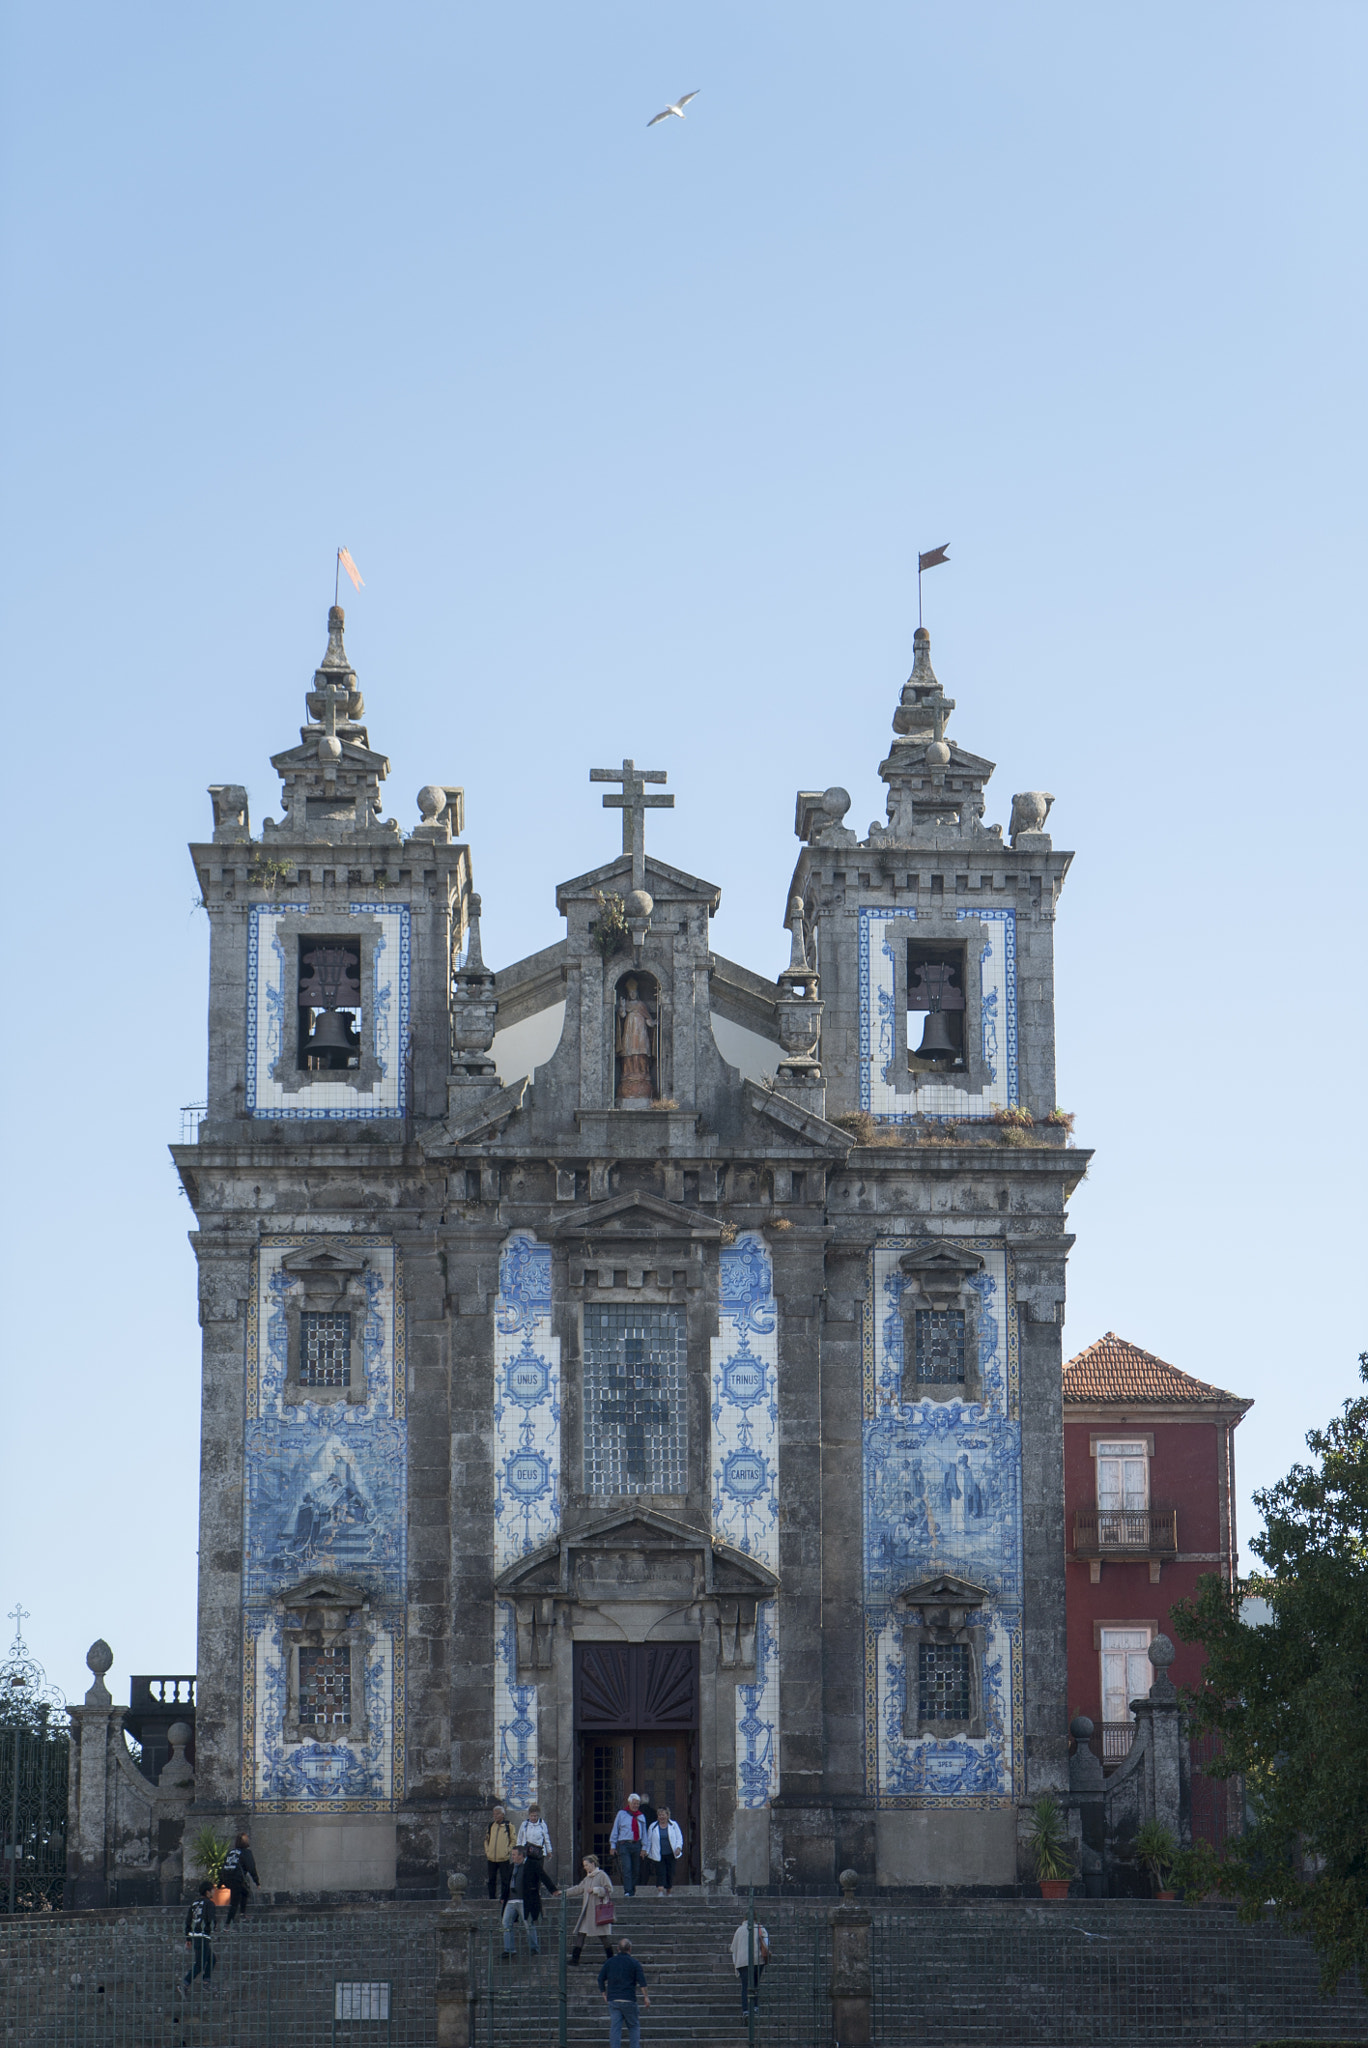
632	1217
798	1122
944	1589
323	1262
725	1569
664	883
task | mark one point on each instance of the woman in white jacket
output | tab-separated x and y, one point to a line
664	1843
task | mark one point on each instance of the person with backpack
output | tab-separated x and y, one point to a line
534	1838
664	1846
199	1935
499	1853
749	1961
238	1866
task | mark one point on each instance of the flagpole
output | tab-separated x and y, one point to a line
337	576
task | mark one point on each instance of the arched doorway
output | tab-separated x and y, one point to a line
636	1730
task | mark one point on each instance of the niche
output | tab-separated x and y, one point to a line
636	1040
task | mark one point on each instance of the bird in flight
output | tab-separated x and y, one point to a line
675	107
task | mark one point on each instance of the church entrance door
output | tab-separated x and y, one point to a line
636	1726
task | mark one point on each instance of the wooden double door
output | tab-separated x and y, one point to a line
636	1723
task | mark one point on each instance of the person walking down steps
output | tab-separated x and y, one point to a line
628	1839
618	1980
525	1882
664	1847
199	1935
238	1866
596	1914
499	1853
534	1838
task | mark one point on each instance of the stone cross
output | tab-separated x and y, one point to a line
633	804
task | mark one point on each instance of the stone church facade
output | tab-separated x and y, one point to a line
684	1416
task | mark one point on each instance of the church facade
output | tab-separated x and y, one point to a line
682	1416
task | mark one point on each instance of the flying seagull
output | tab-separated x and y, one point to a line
675	107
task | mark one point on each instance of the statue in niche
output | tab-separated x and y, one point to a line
636	1026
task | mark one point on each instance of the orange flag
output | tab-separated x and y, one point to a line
349	565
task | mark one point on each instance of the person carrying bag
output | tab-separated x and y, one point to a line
664	1847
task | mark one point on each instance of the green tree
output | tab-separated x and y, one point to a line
1289	1700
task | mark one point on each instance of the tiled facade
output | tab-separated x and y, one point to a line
606	1426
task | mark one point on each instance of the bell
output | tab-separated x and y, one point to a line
937	1043
332	1033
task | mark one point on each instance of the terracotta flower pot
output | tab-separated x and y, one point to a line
1166	1895
220	1895
1054	1887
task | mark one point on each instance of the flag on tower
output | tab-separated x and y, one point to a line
933	558
349	565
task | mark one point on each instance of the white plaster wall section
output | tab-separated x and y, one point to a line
527	1473
271	1017
880	931
326	1493
942	1493
744	1468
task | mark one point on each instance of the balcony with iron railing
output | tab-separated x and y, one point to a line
1145	1535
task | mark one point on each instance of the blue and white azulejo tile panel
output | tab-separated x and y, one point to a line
326	1494
942	1493
527	1403
880	931
744	1467
271	1012
515	1717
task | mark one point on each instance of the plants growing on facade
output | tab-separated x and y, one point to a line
611	932
269	874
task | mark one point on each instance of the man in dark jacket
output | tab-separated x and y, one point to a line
199	1935
238	1866
524	1902
618	1980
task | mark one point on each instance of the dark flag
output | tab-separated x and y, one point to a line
933	558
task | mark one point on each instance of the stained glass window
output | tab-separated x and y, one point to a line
635	1418
324	1349
943	1681
325	1687
939	1337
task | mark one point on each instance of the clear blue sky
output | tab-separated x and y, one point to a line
634	435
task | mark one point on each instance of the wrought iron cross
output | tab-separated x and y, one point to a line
18	1615
633	804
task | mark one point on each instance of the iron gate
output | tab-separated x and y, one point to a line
33	1807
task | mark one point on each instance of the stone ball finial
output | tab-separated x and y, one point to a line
178	1734
337	618
474	904
795	908
99	1657
1081	1729
329	748
456	1885
431	802
849	1881
1161	1653
835	802
639	905
938	754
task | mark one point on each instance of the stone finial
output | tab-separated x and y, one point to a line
849	1881
1081	1728
99	1658
798	959
1161	1654
456	1886
336	656
1030	809
176	1773
474	959
431	802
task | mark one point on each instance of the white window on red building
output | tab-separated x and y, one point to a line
1126	1672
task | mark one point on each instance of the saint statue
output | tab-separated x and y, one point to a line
635	1032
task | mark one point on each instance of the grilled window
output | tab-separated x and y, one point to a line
939	1340
325	1687
324	1350
943	1681
635	1419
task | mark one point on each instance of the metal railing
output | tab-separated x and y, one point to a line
1144	1532
191	1117
1111	1740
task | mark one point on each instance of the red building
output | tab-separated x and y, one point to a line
1149	1495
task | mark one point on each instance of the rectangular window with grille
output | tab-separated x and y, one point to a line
324	1350
943	1681
939	1339
635	1387
325	1687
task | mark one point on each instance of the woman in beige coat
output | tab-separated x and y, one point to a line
597	1890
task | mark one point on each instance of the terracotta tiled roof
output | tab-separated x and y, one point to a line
1114	1370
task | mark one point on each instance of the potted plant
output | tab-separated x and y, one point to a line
1047	1831
210	1851
1157	1850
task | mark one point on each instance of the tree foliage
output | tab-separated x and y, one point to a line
1289	1700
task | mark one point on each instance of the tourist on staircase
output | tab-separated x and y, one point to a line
749	1961
534	1838
238	1866
596	1914
525	1882
499	1853
664	1845
618	1980
627	1841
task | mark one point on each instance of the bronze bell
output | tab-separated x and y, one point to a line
332	1032
937	1043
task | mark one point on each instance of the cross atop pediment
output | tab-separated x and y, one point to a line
633	804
